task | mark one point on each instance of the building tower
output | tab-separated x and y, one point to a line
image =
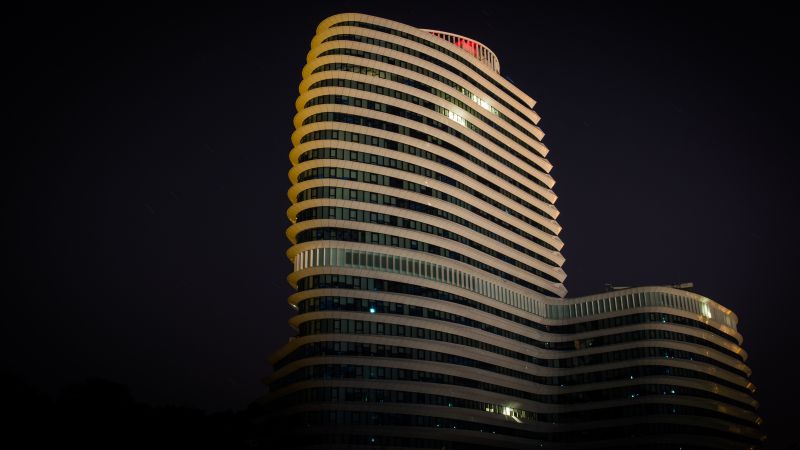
430	296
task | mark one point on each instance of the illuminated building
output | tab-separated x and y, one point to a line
430	296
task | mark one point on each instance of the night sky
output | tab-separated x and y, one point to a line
145	184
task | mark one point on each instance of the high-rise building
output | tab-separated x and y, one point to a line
430	297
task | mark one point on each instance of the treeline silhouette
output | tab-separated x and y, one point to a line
99	413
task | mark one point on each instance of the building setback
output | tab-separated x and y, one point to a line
430	297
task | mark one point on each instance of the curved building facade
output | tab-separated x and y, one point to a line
430	296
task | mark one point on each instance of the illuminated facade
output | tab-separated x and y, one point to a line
430	296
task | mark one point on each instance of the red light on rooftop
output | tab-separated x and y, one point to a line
469	46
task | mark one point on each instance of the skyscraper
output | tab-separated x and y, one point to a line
430	296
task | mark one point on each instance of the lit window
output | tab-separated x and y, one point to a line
706	310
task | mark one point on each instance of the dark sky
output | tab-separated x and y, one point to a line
146	177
